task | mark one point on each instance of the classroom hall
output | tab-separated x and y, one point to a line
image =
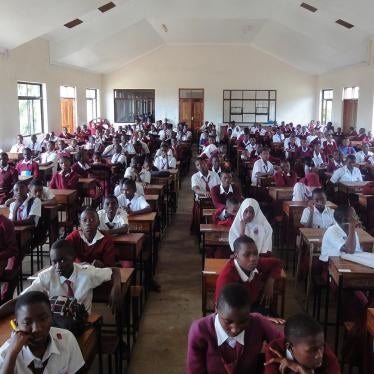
186	187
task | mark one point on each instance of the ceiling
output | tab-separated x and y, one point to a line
104	42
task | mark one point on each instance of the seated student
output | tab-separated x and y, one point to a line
278	137
65	134
204	179
225	216
226	189
303	189
302	350
118	157
165	161
36	346
329	146
211	149
364	155
24	210
66	178
132	202
230	340
335	162
34	146
347	173
317	214
110	149
250	221
284	177
98	160
19	146
256	273
82	166
318	157
216	165
291	148
73	147
262	167
49	157
8	177
27	167
113	221
145	174
118	189
304	150
345	149
90	244
61	150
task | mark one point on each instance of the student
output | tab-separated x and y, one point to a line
34	146
278	137
73	147
304	150
65	134
303	189
164	161
211	149
118	157
303	349
348	173
317	214
45	195
256	273
24	210
129	200
342	236
225	216
145	174
226	189
19	146
284	177
262	167
49	157
66	178
364	155
110	149
335	162
230	340
113	221
8	177
36	347
90	244
27	167
250	221
329	146
345	149
216	165
318	158
204	179
82	167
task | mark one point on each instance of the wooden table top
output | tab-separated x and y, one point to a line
151	197
131	238
45	167
25	178
292	205
214	266
86	180
209	227
208	212
142	217
278	193
354	184
63	192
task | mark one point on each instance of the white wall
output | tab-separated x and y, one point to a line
30	62
214	68
361	76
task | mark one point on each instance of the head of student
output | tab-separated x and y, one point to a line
74	142
216	162
34	138
350	161
201	165
129	188
116	140
62	257
27	154
226	178
343	215
81	156
110	205
365	149
36	188
19	139
336	155
285	166
246	253
265	154
65	163
305	340
4	159
34	317
233	308
97	158
319	198
89	222
50	146
20	190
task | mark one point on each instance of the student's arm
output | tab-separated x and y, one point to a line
215	198
271	268
115	297
336	175
307	216
9	247
118	231
147	209
196	351
53	183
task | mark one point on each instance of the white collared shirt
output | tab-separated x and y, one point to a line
118	157
119	220
198	180
278	138
163	163
222	335
63	354
17	148
360	156
35	210
209	150
36	147
98	236
260	167
332	242
222	190
317	159
50	157
84	166
344	175
301	192
138	202
320	220
243	276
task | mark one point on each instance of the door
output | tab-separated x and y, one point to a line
191	108
349	113
67	114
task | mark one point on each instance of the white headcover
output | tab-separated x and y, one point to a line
258	229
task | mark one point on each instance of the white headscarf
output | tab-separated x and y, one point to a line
258	229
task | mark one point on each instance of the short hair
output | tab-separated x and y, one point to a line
65	245
30	298
242	240
341	212
351	157
318	190
265	149
232	200
26	149
110	197
301	326
90	210
129	183
235	295
4	154
36	183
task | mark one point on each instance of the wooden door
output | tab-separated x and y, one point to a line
349	113
191	111
67	114
185	111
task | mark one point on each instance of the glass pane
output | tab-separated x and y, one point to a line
226	111
262	118
33	90
272	111
226	94
67	92
185	94
328	111
236	94
30	116
90	94
197	94
262	95
22	89
355	92
249	95
249	106
273	95
262	107
236	106
249	118
236	118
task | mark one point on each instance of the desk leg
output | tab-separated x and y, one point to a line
337	328
203	254
327	305
309	280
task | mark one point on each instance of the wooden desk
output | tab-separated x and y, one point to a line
207	215
280	193
369	349
159	189
153	201
346	275
14	156
51	212
45	172
366	209
68	200
85	185
351	187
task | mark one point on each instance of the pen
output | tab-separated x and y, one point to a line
13	325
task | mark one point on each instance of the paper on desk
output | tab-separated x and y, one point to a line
344	270
362	258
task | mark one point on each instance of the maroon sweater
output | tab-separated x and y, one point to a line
219	200
61	182
205	357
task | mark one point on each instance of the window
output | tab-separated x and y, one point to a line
326	105
249	106
350	93
68	107
92	103
30	105
131	104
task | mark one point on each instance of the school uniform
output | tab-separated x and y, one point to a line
282	179
17	148
120	219
71	149
81	169
287	142
32	206
79	285
330	363
291	152
165	163
333	165
221	217
109	150
118	158
278	138
101	248
62	181
8	177
219	195
344	175
260	166
318	160
304	152
321	220
145	176
301	192
138	202
205	183
47	157
65	135
209	151
329	147
139	190
47	194
35	148
362	157
212	351
347	151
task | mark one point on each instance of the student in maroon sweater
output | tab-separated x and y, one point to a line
302	350
66	178
229	341
225	216
221	192
284	177
90	244
8	177
27	166
256	273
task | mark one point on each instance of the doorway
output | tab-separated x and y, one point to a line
350	104
68	107
191	107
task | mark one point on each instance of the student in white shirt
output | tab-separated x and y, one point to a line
50	157
262	167
211	149
110	149
73	147
342	236
317	157
18	148
145	174
164	161
348	173
113	220
129	200
35	346
118	157
317	214
34	145
204	179
278	137
364	155
24	210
